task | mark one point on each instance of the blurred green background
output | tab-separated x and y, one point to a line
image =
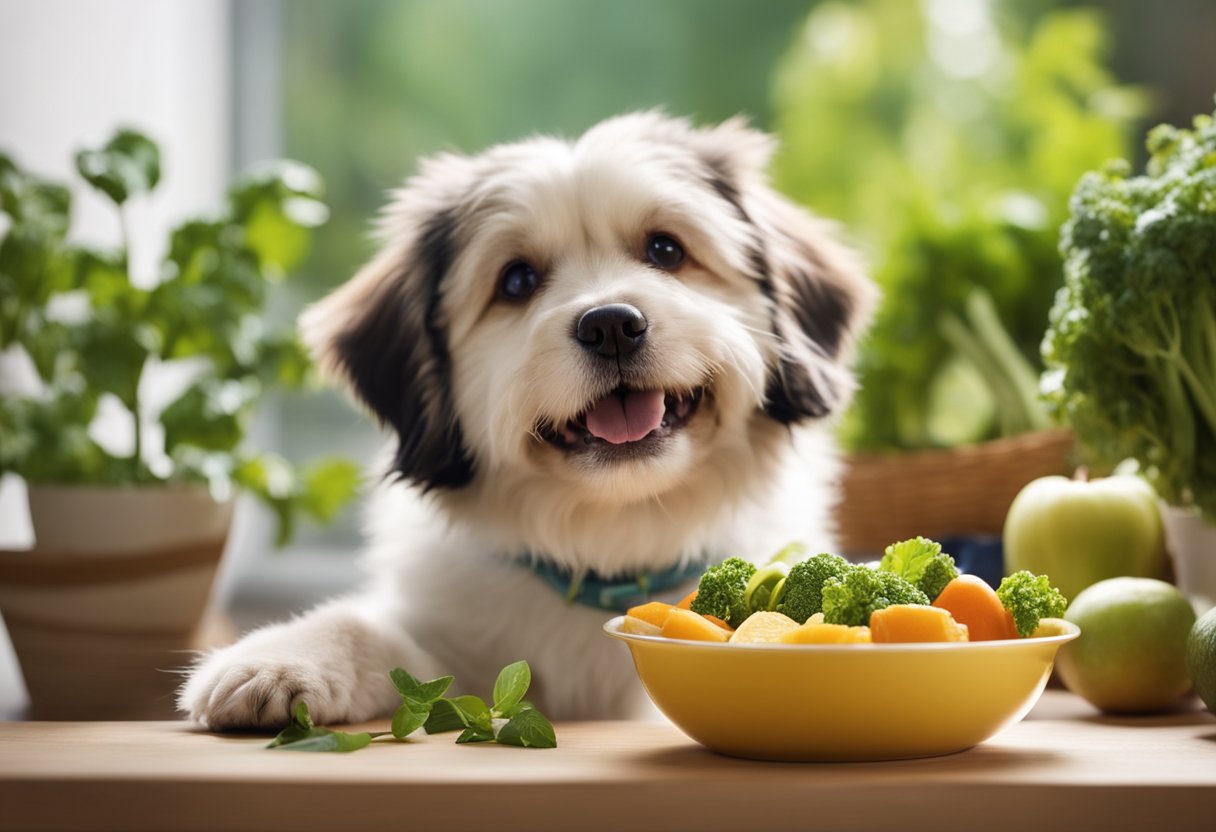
945	135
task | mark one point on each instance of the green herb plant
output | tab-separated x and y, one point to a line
511	720
1131	348
951	166
91	333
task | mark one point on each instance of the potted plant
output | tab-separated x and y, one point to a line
1131	350
128	539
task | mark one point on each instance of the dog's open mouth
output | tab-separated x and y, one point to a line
625	419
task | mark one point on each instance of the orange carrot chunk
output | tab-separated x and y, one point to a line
914	623
686	602
654	612
972	602
686	624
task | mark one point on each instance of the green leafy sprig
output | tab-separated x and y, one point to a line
511	720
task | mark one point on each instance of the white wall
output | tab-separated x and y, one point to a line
73	70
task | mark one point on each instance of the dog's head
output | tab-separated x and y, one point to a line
607	314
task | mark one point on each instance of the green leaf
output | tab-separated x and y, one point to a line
472	711
411	688
303	735
277	204
328	485
528	729
512	684
211	414
909	558
323	740
443	718
474	734
411	716
127	165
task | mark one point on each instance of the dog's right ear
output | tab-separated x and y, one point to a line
383	334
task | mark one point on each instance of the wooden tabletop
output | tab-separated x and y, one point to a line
1064	767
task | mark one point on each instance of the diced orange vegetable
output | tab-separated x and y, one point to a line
816	632
764	627
686	624
718	621
655	612
686	602
972	602
913	623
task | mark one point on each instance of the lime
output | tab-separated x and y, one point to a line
1201	658
1131	654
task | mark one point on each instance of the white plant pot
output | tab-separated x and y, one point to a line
1191	542
112	596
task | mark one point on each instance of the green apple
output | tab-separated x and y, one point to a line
1131	656
1079	532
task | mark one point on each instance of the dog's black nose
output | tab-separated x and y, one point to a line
615	329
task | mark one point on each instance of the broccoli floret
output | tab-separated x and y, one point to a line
852	598
721	592
1029	598
802	594
920	562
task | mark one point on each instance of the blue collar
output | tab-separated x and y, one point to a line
613	594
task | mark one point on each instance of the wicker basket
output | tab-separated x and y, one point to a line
941	493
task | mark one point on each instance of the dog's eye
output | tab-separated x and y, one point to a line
518	282
664	251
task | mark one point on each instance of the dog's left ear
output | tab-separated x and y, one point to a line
821	297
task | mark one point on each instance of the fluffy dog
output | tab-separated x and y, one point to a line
609	357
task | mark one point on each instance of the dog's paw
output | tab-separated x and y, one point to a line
247	692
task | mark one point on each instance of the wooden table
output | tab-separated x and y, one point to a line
1065	767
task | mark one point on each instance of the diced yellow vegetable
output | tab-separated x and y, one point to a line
638	627
914	623
816	632
686	624
764	627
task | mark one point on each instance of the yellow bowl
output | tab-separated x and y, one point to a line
829	702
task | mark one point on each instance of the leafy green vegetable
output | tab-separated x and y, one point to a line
303	735
511	721
922	563
952	178
207	307
852	598
1131	348
1030	598
802	593
721	592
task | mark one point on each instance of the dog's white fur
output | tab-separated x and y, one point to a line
478	375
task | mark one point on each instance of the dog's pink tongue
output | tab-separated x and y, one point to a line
624	418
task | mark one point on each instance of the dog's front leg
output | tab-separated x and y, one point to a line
335	658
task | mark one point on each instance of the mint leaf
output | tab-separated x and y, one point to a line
528	729
411	688
411	716
473	712
303	735
512	684
325	740
475	735
443	718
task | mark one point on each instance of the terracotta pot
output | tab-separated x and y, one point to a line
1191	542
111	599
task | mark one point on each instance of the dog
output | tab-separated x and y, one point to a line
605	362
